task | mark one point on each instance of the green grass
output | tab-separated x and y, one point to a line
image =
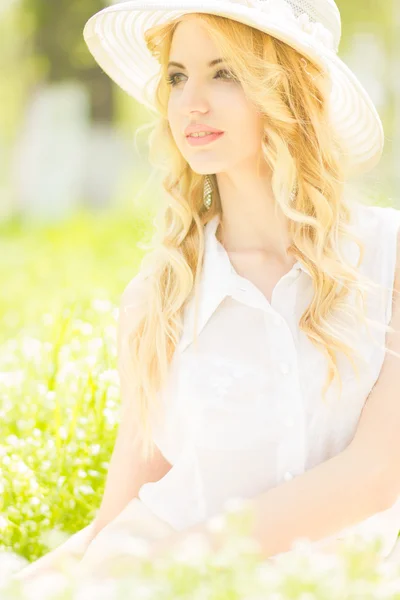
59	390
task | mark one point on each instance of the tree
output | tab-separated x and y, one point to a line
59	46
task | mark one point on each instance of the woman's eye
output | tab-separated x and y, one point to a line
230	75
171	79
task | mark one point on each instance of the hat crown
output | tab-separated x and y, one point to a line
319	18
325	12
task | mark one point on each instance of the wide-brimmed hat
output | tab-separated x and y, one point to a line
115	37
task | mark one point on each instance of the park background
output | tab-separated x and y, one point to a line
77	198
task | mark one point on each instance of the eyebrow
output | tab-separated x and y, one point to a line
216	61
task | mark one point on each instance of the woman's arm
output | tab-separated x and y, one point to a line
336	494
72	550
128	470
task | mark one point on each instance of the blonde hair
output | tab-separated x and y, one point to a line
292	96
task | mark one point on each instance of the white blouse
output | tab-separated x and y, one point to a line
244	409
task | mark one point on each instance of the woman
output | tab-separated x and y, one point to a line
264	278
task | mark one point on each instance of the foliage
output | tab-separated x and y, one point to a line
58	383
236	572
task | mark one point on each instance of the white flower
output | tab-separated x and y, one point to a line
280	12
235	504
318	31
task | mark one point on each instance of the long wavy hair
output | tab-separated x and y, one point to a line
303	150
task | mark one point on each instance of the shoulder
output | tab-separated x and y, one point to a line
378	227
133	303
373	215
397	263
135	292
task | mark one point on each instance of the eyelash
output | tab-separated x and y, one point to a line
171	79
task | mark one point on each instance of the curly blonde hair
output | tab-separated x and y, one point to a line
304	150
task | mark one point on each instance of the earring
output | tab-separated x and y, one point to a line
294	193
207	193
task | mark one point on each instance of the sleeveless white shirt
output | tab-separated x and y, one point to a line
243	409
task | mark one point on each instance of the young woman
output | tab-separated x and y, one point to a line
258	326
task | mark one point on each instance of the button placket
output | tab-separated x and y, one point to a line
285	376
283	343
291	451
246	292
284	367
288	421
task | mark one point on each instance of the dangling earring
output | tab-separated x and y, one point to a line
293	194
207	192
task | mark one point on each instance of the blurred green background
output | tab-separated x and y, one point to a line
76	201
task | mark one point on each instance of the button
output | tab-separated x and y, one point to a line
284	367
288	476
277	320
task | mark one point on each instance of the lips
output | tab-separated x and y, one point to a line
201	128
206	132
204	140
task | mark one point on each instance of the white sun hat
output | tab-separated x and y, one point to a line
115	37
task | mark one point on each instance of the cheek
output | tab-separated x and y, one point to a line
246	126
176	124
172	116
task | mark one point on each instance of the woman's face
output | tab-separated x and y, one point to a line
211	97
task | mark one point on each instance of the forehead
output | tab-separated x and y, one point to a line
189	37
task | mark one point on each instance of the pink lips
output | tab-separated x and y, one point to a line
200	128
204	140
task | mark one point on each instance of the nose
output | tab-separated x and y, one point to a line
194	99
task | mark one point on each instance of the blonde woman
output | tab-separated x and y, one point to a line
257	345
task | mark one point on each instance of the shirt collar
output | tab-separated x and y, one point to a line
214	285
217	252
219	279
217	248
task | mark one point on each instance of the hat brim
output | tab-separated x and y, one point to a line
114	37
